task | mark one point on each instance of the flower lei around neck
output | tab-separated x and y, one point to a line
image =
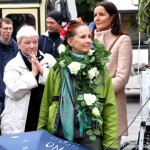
86	72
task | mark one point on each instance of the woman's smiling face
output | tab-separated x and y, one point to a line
81	42
28	45
102	19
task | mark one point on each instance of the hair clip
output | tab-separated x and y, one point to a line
64	29
79	20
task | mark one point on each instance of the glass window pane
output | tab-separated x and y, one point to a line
130	25
24	1
20	20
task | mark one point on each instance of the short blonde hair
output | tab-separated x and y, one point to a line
27	31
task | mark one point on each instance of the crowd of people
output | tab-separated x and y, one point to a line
72	86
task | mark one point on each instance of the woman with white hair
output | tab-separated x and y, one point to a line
25	77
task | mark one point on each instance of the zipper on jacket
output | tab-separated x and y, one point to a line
53	49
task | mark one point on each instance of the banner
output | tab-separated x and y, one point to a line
36	140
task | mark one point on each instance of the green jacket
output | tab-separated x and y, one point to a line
49	107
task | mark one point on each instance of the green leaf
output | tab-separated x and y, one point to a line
97	132
94	119
89	132
88	127
98	104
83	66
95	90
84	73
143	17
92	59
91	107
83	103
93	137
80	97
96	82
100	121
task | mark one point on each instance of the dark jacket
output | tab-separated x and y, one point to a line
7	52
49	43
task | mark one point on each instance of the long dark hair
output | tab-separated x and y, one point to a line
112	10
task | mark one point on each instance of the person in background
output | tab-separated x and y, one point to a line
91	25
24	77
78	102
108	31
8	50
49	42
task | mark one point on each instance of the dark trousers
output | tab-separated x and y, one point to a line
93	145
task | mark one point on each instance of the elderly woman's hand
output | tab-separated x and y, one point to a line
39	67
36	66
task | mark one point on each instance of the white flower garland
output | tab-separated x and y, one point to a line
86	72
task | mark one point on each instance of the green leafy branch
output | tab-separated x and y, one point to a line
144	17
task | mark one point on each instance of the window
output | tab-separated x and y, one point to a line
130	25
21	1
19	20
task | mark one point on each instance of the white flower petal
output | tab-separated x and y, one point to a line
61	48
89	98
90	53
62	63
74	67
93	73
95	111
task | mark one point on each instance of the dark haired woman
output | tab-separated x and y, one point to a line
79	103
108	31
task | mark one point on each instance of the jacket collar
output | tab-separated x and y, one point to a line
21	61
105	37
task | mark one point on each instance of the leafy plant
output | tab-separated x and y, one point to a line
144	17
85	9
90	3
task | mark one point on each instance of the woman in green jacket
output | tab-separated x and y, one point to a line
78	103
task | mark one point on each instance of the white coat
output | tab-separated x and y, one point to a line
19	81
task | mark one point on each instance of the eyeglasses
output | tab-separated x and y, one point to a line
6	28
